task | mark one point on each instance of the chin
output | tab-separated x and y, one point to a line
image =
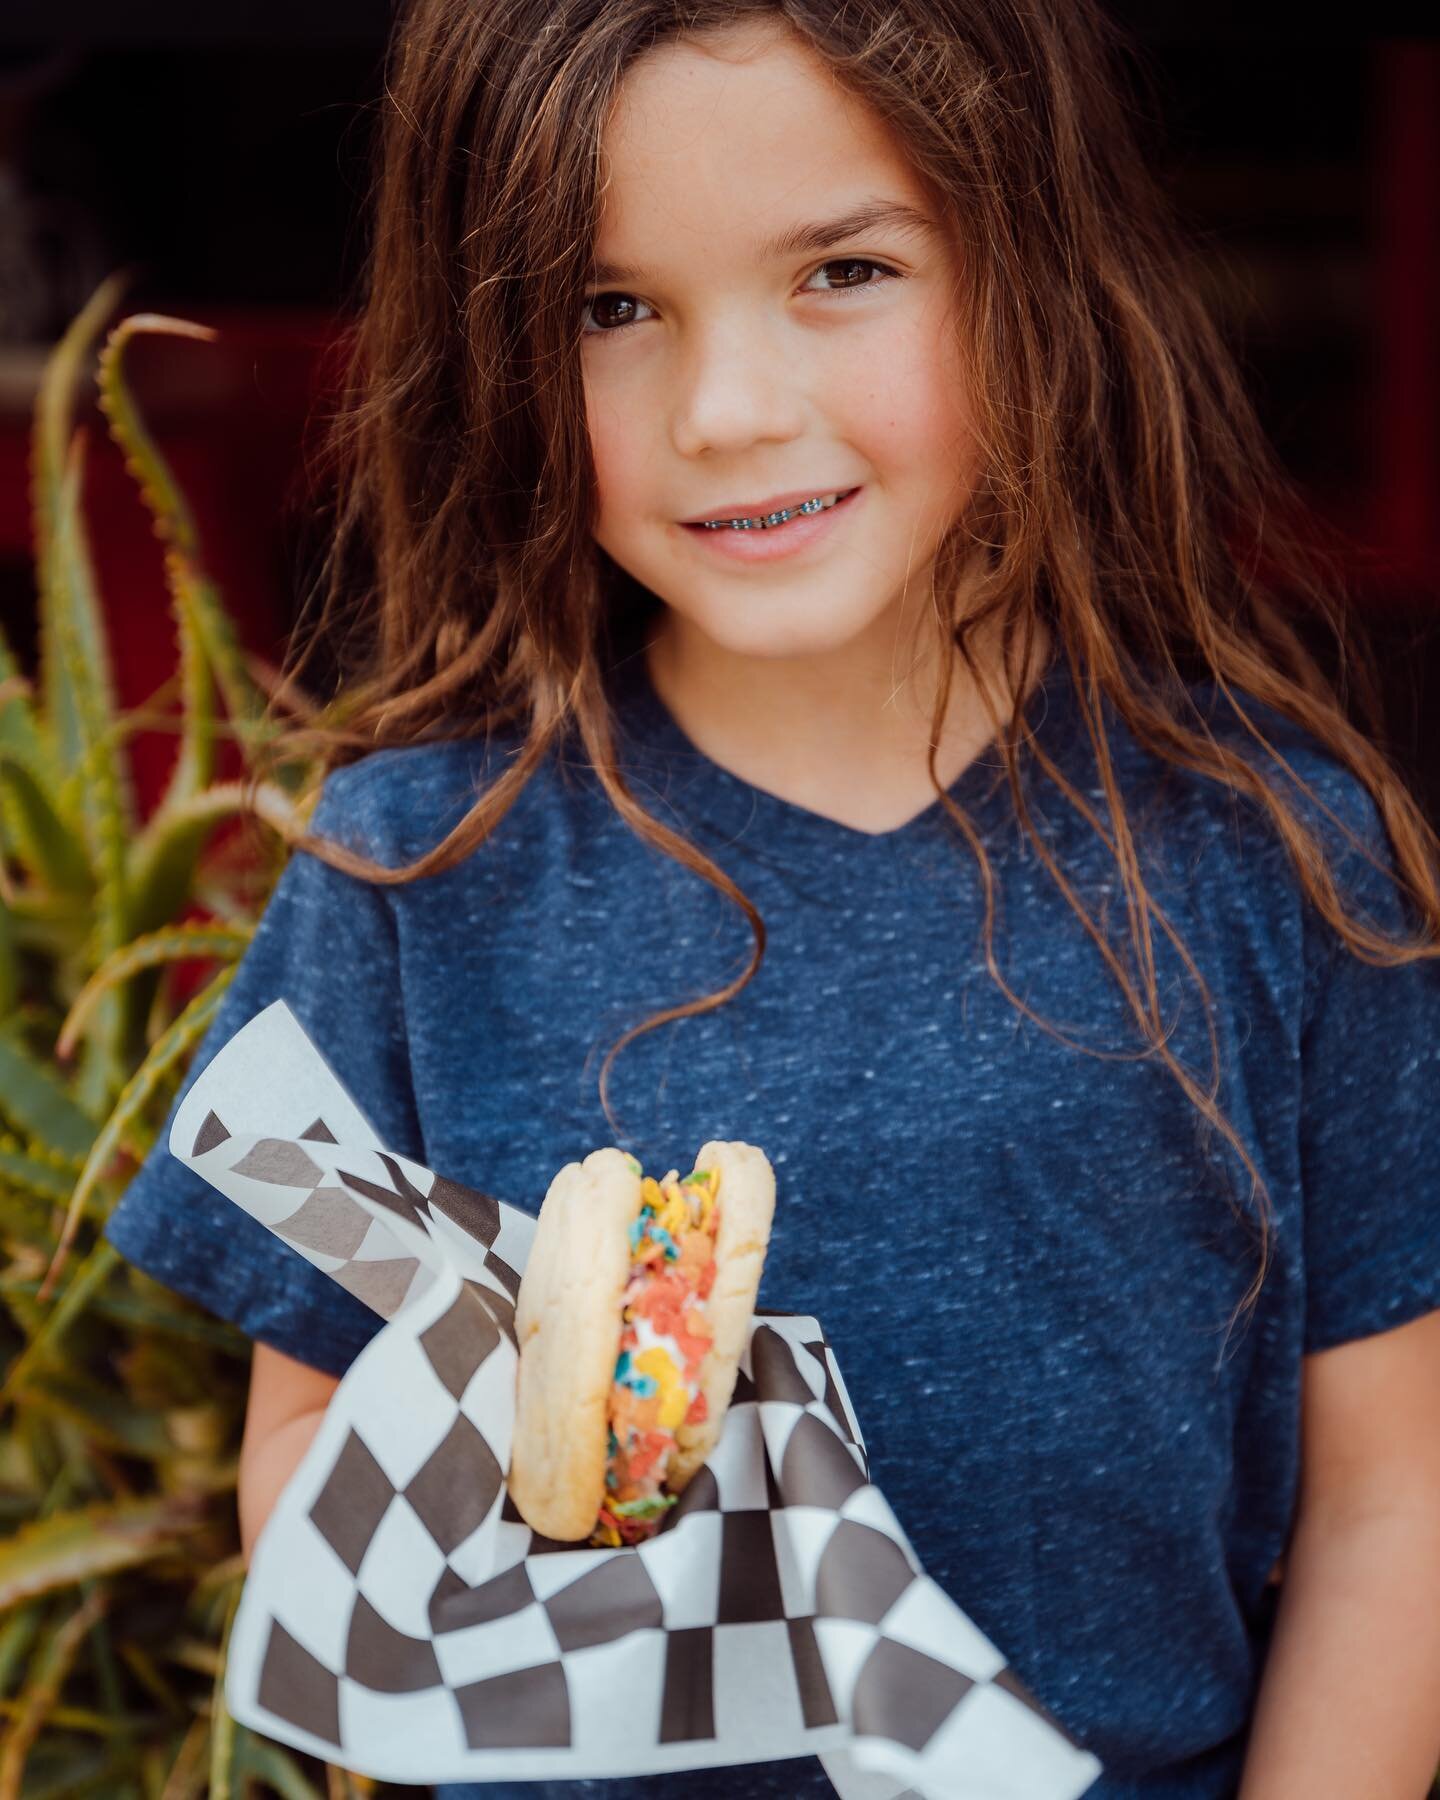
763	625
766	643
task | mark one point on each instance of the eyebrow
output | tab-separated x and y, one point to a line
810	235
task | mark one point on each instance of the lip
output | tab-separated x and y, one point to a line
770	545
757	509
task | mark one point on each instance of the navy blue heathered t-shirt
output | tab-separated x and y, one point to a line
1024	1255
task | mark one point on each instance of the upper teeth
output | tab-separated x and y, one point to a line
762	523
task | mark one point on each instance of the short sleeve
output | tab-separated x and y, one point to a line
1370	1102
326	944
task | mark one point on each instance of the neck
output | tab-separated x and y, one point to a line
846	732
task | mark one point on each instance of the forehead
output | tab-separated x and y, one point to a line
741	132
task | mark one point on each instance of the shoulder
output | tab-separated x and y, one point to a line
1294	762
1215	857
1293	758
396	803
1219	844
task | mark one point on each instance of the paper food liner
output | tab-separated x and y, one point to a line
401	1620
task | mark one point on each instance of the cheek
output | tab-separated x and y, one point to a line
613	448
910	412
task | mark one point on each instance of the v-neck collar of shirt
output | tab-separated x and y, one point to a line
655	744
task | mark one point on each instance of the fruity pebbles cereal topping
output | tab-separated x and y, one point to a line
665	1336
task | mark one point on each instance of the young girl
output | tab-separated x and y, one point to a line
827	635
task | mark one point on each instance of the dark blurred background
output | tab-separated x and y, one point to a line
220	156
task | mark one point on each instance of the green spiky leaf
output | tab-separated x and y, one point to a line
91	1540
164	858
37	1102
36	832
65	369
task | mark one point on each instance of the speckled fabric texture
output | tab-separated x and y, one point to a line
1025	1254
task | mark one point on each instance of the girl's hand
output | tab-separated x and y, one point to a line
286	1403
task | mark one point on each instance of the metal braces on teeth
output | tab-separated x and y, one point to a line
763	523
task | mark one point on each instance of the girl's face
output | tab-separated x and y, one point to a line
726	367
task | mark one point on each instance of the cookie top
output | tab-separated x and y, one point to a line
568	1318
747	1208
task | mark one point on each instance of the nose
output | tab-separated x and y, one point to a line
735	387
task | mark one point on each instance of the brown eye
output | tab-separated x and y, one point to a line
851	265
606	314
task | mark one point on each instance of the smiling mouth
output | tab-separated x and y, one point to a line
767	521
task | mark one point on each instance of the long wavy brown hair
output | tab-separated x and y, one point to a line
1131	505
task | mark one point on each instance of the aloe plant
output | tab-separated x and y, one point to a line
120	1403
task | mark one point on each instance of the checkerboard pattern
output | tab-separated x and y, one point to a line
401	1619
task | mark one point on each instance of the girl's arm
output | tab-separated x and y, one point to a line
286	1403
1349	1705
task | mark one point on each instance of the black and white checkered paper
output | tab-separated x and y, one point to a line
399	1617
